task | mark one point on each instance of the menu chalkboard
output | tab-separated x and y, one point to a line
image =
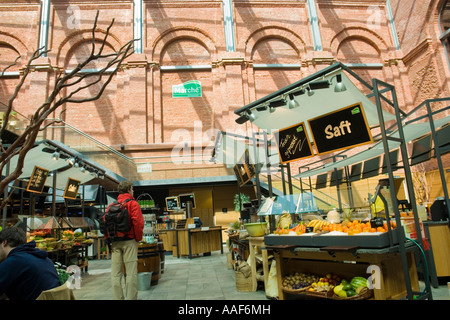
293	143
249	166
240	170
340	129
71	190
37	180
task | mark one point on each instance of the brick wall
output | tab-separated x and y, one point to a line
138	112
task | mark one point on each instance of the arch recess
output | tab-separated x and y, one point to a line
363	34
280	33
82	36
174	34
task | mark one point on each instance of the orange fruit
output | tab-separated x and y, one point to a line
372	230
380	229
355	222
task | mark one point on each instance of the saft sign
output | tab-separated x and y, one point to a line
341	129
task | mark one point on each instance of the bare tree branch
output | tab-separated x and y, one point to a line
66	87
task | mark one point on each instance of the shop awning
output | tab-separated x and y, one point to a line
319	94
68	164
411	132
229	149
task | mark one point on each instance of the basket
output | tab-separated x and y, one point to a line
320	294
243	283
364	294
145	201
295	291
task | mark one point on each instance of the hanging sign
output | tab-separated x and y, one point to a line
71	190
37	180
244	169
341	129
188	89
293	143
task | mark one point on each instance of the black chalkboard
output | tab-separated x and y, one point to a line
37	179
241	170
71	190
293	143
341	129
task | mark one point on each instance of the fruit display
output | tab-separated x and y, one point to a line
330	286
322	226
325	284
296	229
319	225
299	280
356	227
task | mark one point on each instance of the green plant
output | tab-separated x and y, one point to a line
62	273
244	199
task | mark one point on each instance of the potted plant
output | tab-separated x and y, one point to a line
244	199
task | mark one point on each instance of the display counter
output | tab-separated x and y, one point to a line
192	241
348	262
439	234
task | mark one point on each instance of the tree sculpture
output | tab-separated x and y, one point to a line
65	90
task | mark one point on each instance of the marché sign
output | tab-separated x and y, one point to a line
189	89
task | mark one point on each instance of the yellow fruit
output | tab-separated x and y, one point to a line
342	294
338	288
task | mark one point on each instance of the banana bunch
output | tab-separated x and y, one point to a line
318	224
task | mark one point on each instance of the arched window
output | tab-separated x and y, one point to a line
444	25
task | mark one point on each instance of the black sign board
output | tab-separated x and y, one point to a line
71	190
172	203
184	198
249	166
37	180
293	143
341	129
241	170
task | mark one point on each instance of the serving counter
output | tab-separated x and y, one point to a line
192	241
439	235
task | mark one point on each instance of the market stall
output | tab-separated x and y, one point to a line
337	121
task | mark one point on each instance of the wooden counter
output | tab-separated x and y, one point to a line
189	242
439	235
348	264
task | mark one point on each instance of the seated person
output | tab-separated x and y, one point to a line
25	271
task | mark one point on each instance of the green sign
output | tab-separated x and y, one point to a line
189	89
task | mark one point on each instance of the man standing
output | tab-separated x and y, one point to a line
25	271
124	248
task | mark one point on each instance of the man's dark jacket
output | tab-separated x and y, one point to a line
26	272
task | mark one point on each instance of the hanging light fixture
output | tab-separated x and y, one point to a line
55	155
72	161
339	86
292	102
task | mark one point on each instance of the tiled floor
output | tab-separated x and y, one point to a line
200	278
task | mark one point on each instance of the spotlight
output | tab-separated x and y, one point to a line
251	116
55	155
272	109
339	86
72	161
83	169
293	103
310	91
242	119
